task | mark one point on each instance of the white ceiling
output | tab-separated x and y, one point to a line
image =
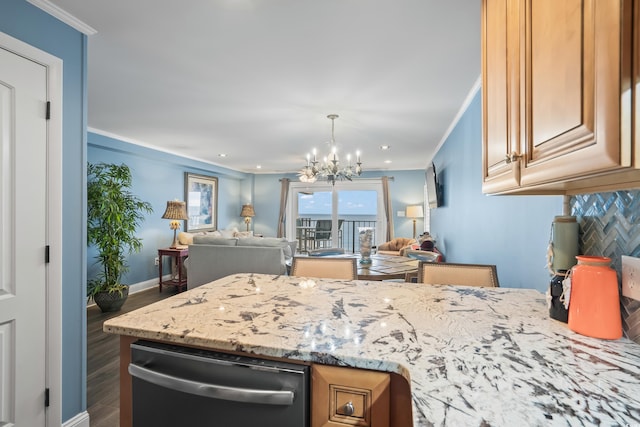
255	79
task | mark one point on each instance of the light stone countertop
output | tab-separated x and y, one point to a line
473	356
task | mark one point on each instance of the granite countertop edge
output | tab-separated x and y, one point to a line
470	355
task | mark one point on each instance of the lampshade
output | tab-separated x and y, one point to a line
175	210
414	212
247	211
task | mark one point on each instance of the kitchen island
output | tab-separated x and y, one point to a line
471	356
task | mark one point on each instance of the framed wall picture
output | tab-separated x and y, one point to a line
201	194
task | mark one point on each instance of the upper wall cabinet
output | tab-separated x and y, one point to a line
557	94
635	112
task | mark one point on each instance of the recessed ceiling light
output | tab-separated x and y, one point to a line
385	147
387	161
258	166
222	155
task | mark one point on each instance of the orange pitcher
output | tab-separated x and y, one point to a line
594	303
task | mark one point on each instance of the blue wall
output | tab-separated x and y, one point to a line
25	22
406	189
156	178
509	231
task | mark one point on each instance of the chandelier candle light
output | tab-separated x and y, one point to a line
330	168
175	211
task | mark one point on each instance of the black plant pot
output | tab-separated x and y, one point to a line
109	302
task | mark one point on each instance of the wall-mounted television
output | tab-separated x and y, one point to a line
434	190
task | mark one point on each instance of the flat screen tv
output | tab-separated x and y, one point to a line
434	190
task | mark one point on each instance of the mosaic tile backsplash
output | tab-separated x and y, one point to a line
610	226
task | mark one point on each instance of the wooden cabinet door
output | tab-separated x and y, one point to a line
500	94
635	111
575	62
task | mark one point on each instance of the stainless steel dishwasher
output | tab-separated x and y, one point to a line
179	386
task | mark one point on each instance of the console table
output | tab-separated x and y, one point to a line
179	254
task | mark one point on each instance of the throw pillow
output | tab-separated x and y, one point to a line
213	240
243	234
185	238
409	247
229	233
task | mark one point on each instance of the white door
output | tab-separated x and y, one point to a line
23	204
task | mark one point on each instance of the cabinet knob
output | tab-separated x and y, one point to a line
348	409
512	157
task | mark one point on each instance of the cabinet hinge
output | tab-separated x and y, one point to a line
48	113
46	254
46	397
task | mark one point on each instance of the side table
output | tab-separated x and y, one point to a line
179	254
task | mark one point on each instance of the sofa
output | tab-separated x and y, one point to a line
212	257
398	246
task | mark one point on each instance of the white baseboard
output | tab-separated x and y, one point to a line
80	420
142	286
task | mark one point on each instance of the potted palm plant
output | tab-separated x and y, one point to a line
113	216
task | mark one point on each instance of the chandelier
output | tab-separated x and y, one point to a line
330	168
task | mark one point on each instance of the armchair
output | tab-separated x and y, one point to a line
396	246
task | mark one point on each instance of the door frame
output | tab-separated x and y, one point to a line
370	184
53	356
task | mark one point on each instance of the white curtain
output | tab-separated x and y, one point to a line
387	207
284	194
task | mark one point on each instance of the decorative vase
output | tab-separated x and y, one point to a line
365	246
557	309
565	240
594	303
111	301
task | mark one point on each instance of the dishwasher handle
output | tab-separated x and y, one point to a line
214	391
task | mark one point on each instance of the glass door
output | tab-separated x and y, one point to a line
314	219
347	207
357	211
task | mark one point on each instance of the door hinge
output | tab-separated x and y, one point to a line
46	254
48	113
46	397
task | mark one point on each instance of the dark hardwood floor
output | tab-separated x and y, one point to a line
102	359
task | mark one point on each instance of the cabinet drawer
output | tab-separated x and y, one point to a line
349	397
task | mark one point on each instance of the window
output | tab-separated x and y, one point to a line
349	205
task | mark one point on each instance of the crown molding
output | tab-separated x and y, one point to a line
463	109
63	16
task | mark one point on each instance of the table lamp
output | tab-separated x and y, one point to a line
175	211
247	212
414	212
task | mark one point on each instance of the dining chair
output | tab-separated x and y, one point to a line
419	255
325	267
448	273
